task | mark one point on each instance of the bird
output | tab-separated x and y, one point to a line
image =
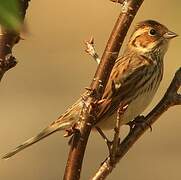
133	81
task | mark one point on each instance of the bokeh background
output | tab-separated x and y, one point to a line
52	72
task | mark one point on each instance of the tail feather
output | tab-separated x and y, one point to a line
65	121
46	132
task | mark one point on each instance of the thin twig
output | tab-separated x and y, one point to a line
90	49
116	139
107	141
77	150
171	98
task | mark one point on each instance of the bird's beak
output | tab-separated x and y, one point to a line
170	35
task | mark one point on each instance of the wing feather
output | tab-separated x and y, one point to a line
128	75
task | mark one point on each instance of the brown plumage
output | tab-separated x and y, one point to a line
134	81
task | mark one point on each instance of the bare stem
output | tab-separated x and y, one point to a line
90	49
116	138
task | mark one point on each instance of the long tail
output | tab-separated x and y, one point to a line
46	132
65	121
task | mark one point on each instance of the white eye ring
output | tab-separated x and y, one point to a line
152	32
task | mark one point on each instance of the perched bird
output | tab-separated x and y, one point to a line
134	80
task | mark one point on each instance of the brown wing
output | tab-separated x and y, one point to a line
128	75
125	79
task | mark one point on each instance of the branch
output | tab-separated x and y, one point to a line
171	98
88	118
8	39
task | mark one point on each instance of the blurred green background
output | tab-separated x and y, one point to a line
9	14
52	72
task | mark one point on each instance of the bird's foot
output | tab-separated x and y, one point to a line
139	121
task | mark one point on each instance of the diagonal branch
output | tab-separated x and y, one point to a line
88	118
171	98
8	39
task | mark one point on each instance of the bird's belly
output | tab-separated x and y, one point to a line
137	106
134	109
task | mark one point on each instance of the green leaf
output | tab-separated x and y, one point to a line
9	14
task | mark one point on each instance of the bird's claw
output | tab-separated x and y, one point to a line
139	121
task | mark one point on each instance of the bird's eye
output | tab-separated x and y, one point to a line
152	32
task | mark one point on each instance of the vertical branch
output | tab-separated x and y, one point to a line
88	118
8	39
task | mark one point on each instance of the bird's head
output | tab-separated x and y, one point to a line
150	36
